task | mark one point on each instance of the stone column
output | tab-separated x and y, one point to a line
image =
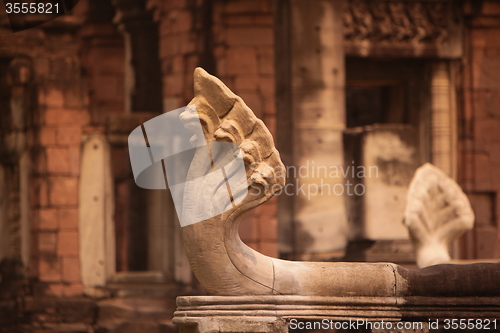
444	145
310	88
96	225
14	166
142	65
443	119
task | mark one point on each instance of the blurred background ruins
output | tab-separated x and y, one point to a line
391	84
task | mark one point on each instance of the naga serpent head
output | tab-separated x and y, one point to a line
225	118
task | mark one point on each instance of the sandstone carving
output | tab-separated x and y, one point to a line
225	266
414	28
396	22
437	212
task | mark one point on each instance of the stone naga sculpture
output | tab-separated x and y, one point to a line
224	265
437	213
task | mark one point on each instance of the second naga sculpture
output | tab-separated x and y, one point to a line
224	265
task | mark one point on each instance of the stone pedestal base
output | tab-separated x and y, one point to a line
210	314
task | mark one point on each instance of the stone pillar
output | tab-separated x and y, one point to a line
310	88
443	119
142	65
14	166
4	239
444	145
96	225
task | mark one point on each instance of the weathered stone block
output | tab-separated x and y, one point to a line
74	160
482	172
246	83
68	218
240	20
67	243
48	219
173	84
70	269
178	44
63	191
73	289
486	241
266	62
108	85
174	4
486	103
75	93
496	177
54	98
57	160
175	65
266	85
241	60
47	242
55	117
49	269
178	21
487	130
245	6
485	67
42	192
249	20
482	204
249	36
47	136
490	7
494	153
69	135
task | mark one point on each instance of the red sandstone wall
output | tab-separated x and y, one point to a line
244	54
479	163
62	107
242	46
242	50
180	49
103	58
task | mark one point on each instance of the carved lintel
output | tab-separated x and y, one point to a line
402	28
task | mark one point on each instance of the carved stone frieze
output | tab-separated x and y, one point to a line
402	28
